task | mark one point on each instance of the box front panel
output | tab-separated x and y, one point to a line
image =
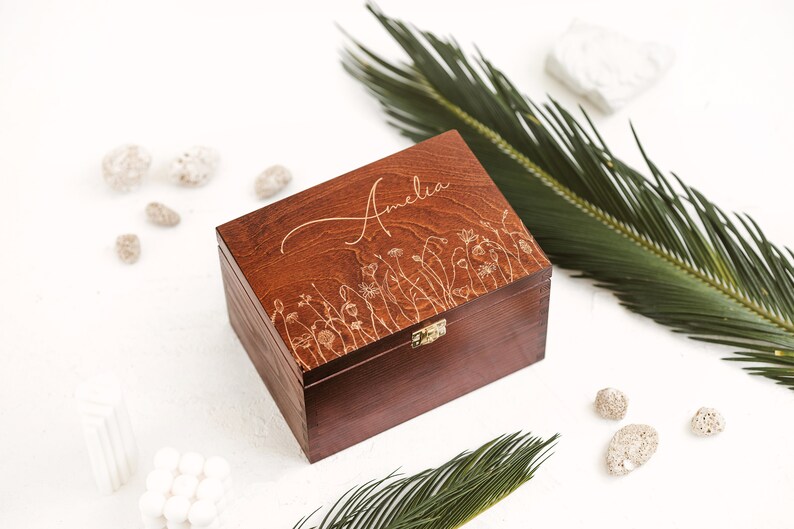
372	397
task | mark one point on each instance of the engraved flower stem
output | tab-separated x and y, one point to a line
416	285
339	318
399	285
495	259
515	244
372	314
495	284
503	247
328	323
385	303
319	349
432	286
385	288
447	289
291	344
468	258
467	267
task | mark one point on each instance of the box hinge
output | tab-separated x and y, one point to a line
429	334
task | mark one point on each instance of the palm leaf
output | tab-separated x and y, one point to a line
441	498
663	248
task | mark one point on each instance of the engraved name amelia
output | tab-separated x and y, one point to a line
375	213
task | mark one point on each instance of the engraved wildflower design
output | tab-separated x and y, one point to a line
486	269
351	309
370	269
368	290
392	292
326	338
467	236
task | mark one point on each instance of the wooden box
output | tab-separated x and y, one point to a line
383	293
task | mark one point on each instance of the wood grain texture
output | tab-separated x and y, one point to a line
262	349
380	249
371	397
326	287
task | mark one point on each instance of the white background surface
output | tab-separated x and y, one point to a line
261	82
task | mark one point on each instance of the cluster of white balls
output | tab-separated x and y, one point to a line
185	491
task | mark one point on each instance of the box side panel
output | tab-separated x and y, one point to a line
390	389
263	352
274	336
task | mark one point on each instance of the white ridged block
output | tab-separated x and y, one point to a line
604	66
108	432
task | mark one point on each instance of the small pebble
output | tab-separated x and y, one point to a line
611	403
161	214
195	166
128	248
631	447
271	181
124	167
708	421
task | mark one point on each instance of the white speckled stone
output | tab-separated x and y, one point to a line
195	166
707	422
631	447
161	214
271	181
128	248
611	403
604	66
124	167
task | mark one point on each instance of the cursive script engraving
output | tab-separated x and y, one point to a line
373	213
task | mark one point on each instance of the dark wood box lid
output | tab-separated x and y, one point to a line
372	252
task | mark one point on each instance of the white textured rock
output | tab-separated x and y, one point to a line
128	248
604	66
631	447
161	214
708	421
124	167
611	403
271	181
195	166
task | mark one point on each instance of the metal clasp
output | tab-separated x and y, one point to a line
429	334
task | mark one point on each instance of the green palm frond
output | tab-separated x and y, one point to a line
441	498
665	250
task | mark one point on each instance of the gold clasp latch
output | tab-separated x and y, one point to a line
429	334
